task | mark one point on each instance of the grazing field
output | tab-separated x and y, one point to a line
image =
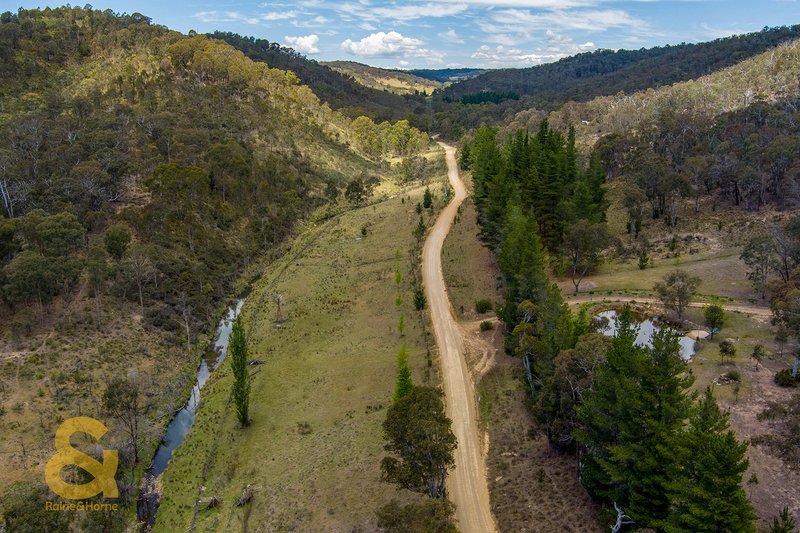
777	483
312	453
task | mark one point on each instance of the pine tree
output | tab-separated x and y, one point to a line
427	198
705	489
629	420
521	259
241	383
783	523
582	204
404	380
502	192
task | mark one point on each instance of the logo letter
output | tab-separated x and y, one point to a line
67	455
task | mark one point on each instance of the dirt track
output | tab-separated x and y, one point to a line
467	486
738	308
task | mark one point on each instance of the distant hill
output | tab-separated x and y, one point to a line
340	91
396	81
607	72
448	75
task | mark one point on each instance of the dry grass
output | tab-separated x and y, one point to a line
470	269
60	370
777	483
533	488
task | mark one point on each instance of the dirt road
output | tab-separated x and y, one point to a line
738	308
466	485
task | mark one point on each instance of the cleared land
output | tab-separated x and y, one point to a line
314	448
395	81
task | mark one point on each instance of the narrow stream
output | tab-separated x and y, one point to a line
181	423
646	329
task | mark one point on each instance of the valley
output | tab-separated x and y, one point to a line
299	291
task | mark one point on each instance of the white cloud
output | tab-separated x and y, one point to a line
399	13
564	45
586	20
504	56
411	12
278	15
530	4
382	44
392	44
236	17
308	44
507	39
367	26
451	37
224	16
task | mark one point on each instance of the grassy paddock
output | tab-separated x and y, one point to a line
314	448
469	267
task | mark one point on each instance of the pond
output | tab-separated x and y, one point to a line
646	329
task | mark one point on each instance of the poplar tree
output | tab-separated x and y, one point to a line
404	381
239	364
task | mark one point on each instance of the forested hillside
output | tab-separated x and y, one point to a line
447	75
607	72
730	135
340	91
141	171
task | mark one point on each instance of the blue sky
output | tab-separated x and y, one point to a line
472	33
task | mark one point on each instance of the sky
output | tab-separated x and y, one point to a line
464	33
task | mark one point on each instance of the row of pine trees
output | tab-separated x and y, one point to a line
653	453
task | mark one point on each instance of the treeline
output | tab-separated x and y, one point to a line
384	140
485	96
605	72
339	91
538	178
647	449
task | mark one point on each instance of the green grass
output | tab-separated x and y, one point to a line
314	448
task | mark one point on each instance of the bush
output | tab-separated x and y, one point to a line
784	378
734	375
483	305
486	325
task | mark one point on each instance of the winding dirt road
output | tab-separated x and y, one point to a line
466	485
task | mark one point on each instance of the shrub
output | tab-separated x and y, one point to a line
483	305
784	378
644	259
486	325
734	375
